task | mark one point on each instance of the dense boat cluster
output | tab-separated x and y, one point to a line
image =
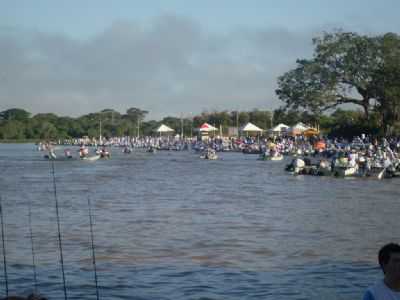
362	157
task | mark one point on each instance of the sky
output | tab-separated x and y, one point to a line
169	57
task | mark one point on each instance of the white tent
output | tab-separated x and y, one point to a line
298	129
207	128
251	127
300	126
279	128
164	128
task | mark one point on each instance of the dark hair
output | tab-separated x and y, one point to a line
384	253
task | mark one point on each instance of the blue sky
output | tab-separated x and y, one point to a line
169	57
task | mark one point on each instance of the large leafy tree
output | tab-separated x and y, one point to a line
261	118
342	71
135	114
15	114
12	130
388	83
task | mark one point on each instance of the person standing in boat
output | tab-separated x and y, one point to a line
389	287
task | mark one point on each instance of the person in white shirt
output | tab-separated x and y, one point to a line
389	287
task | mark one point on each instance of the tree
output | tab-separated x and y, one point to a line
149	128
47	131
387	83
199	120
135	114
14	114
288	117
261	118
349	123
341	71
244	118
12	130
49	117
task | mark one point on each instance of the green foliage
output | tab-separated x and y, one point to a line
347	123
347	68
288	117
387	83
14	114
136	114
50	127
12	130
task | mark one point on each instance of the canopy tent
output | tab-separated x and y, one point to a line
310	132
207	128
300	126
164	128
249	127
279	128
298	129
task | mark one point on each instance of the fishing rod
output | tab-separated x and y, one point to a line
59	229
4	248
93	248
32	246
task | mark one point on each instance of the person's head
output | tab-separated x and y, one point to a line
389	259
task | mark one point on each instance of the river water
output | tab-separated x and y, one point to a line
172	226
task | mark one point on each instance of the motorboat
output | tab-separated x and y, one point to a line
273	157
297	166
210	154
91	158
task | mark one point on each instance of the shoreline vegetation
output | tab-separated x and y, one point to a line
17	125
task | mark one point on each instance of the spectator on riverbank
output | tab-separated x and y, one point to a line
389	287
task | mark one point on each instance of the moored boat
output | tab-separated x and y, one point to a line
91	158
210	154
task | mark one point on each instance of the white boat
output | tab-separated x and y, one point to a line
376	172
296	166
324	168
343	171
275	157
269	157
343	167
91	158
209	154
